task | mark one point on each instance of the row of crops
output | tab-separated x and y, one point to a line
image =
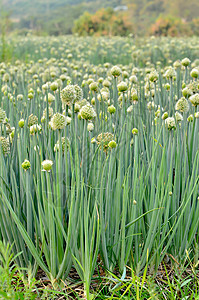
99	159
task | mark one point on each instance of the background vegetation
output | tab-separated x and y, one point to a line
140	17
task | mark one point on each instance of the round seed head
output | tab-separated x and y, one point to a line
54	86
122	87
77	107
51	98
194	86
185	62
68	95
82	102
170	123
182	105
2	115
5	145
58	121
133	79
87	112
106	83
177	64
32	120
194	73
194	99
78	92
178	117
153	76
103	140
93	87
187	92
116	71
170	73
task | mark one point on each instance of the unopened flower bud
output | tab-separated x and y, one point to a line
122	87
190	118
135	131
47	165
165	116
185	62
112	144
90	127
26	165
194	73
21	123
54	86
130	109
111	109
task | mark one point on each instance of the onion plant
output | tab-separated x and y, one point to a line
98	162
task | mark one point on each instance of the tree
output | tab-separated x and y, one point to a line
103	22
195	26
170	26
83	25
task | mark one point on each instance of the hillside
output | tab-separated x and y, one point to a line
53	17
57	17
21	8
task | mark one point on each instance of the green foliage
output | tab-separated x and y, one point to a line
103	22
16	283
178	286
84	25
134	204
